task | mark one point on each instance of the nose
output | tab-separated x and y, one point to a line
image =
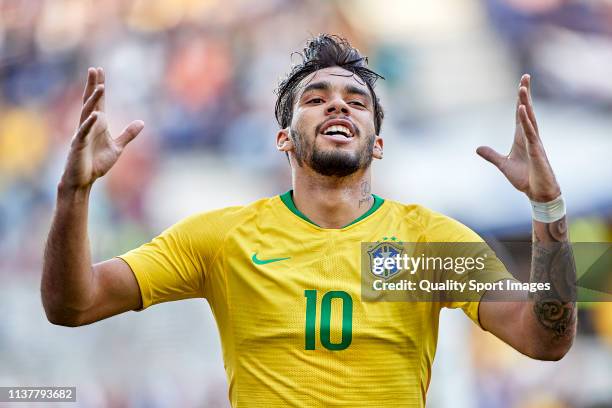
337	105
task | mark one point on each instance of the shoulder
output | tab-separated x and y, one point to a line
226	218
435	225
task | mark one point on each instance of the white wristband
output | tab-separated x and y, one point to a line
548	212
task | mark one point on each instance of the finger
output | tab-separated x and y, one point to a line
532	109
528	128
525	80
491	156
522	83
100	81
534	146
89	106
81	135
129	133
525	99
91	83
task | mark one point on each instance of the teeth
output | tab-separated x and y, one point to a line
339	128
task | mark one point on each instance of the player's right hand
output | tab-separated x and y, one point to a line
93	150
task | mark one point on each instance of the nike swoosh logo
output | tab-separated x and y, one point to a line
266	261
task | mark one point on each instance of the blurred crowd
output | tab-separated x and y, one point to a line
202	74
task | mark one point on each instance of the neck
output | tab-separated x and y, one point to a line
332	202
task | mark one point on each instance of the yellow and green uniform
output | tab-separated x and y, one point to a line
285	294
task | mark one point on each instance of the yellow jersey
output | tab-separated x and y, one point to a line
286	297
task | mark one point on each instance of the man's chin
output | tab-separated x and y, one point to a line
334	162
347	150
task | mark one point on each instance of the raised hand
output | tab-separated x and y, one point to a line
93	150
526	166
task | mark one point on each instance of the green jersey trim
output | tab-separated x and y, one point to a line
287	199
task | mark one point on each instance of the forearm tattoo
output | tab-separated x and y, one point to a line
553	262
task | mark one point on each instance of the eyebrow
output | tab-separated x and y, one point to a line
326	86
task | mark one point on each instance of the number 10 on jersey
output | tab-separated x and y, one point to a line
324	327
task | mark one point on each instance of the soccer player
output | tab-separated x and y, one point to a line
282	275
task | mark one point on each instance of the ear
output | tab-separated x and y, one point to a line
377	152
284	143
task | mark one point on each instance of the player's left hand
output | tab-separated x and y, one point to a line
526	166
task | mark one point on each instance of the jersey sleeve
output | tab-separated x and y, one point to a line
494	270
174	265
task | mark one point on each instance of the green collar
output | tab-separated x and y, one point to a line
287	199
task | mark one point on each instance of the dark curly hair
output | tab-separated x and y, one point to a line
324	51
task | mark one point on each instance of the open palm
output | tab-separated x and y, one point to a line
94	151
527	166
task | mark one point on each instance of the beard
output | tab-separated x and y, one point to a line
334	162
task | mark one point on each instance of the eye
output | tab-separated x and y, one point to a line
315	100
357	103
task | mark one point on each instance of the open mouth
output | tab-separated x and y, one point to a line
338	132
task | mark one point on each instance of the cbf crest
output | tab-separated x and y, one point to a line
381	252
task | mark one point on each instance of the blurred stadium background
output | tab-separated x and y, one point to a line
201	74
